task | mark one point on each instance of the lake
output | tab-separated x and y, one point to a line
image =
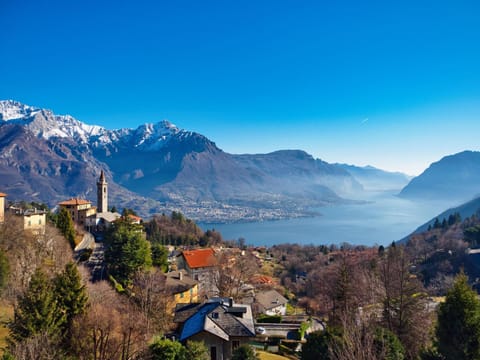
385	218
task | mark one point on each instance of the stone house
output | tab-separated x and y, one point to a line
219	323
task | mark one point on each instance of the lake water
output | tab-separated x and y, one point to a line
384	219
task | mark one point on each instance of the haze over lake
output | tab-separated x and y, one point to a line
385	218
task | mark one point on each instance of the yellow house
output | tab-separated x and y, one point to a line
34	220
79	209
181	287
2	207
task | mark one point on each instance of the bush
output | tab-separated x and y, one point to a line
272	319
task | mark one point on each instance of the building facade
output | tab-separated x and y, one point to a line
2	207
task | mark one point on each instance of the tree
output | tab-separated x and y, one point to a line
66	227
458	328
126	251
38	311
244	352
404	302
71	294
197	350
319	344
160	256
165	349
149	294
4	269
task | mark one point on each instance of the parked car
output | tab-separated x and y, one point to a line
260	330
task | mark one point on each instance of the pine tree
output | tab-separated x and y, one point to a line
71	294
458	327
126	251
37	311
66	226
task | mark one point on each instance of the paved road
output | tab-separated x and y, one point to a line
88	242
96	263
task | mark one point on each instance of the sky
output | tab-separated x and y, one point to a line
392	84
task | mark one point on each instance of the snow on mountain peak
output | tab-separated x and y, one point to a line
44	123
12	110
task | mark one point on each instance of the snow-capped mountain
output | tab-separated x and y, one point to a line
12	110
44	123
159	164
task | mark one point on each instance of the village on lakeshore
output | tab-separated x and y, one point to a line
193	287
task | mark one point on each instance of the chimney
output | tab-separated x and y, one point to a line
230	302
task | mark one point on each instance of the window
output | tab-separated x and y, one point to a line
235	344
39	221
181	295
215	315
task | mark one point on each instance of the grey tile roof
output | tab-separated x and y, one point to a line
217	318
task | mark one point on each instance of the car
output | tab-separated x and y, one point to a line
260	330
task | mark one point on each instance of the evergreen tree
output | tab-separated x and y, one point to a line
160	256
458	327
126	251
37	311
65	225
71	293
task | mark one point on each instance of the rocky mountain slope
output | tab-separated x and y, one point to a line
158	167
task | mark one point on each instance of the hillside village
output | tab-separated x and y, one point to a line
209	298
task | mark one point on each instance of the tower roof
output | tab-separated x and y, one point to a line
102	177
2	194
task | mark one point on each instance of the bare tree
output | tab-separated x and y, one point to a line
150	296
111	329
234	269
405	310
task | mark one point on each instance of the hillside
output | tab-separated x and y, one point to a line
455	177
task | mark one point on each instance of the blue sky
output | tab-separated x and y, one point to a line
391	84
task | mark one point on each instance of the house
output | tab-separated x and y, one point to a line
79	209
219	323
2	207
99	222
200	265
270	302
34	219
183	289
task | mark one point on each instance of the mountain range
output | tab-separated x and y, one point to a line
158	167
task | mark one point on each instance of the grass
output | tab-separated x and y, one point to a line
6	313
268	356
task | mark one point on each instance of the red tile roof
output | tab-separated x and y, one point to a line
75	202
200	258
2	194
134	217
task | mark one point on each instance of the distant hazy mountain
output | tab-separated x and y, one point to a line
455	177
375	179
47	157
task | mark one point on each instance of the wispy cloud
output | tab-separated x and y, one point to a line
364	121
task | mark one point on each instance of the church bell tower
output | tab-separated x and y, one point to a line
102	194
